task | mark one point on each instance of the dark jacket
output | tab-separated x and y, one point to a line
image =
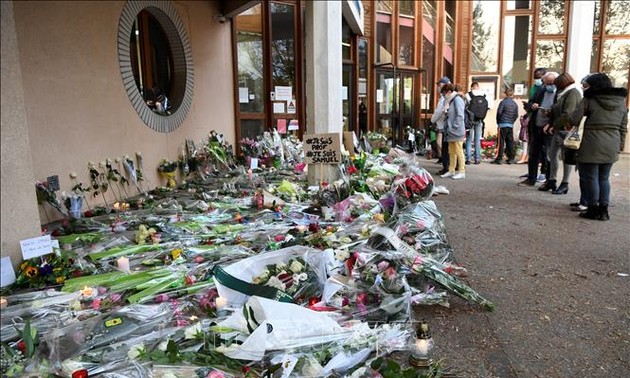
507	112
567	101
537	98
605	126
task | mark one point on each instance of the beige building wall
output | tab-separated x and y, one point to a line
20	219
76	107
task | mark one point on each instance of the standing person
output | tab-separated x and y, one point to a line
478	104
567	100
540	105
604	136
526	121
454	132
507	114
438	120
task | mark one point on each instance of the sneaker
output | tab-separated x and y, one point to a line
579	208
526	182
459	176
447	174
477	162
541	178
523	176
496	162
441	171
574	204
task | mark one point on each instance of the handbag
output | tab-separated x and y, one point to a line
523	134
574	138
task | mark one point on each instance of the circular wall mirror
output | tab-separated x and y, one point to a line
155	61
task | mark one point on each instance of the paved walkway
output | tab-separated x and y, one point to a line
560	282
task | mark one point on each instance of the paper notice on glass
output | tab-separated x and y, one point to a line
379	95
55	243
344	93
253	163
291	107
278	107
519	89
243	95
294	125
283	93
35	247
252	96
282	126
424	103
7	273
407	93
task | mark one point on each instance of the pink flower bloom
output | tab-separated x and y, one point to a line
161	298
181	323
189	280
383	265
199	259
96	304
299	167
215	374
102	290
390	273
115	297
278	238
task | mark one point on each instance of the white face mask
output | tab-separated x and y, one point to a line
538	82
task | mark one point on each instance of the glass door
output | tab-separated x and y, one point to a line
395	103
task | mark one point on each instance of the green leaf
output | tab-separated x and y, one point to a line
28	339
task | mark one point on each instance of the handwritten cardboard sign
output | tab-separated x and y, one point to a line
322	148
35	247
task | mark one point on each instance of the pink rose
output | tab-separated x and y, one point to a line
390	273
382	265
215	374
161	298
96	304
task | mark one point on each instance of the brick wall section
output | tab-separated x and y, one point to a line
368	8
463	43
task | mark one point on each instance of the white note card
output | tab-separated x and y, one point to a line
7	273
35	247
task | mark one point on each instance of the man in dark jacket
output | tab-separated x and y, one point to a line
507	114
540	105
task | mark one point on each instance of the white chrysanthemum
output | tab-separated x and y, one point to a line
275	282
281	266
296	266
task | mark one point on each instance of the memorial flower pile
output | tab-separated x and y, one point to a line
239	273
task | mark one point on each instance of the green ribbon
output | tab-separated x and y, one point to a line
229	281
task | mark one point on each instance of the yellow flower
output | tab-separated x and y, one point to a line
60	280
176	253
24	265
31	271
379	218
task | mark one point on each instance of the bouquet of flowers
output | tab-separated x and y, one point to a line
377	141
416	185
293	277
249	147
168	169
50	270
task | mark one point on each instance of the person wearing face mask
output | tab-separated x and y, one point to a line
454	132
540	105
567	99
524	134
438	120
604	136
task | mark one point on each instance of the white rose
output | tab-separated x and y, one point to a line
275	282
342	254
163	345
296	266
281	266
192	331
136	351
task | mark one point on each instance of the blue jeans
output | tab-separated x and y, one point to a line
595	183
477	131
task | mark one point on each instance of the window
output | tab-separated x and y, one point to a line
485	37
611	40
406	33
516	50
384	38
155	60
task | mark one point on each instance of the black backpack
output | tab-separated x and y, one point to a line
478	106
469	119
